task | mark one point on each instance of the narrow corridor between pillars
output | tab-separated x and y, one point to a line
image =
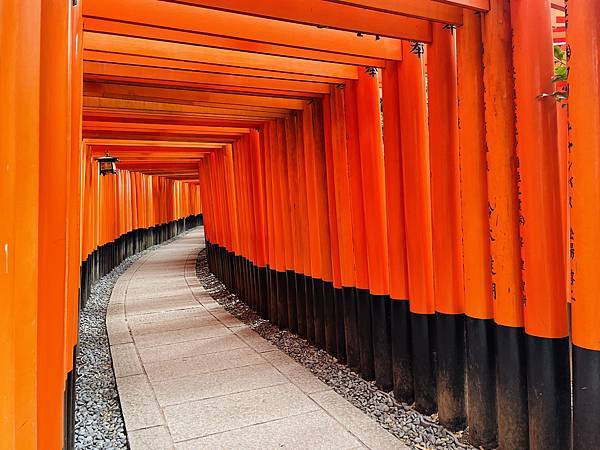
190	375
410	188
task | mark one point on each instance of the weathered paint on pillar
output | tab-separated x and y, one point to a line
480	330
447	232
502	163
19	195
417	213
583	34
542	251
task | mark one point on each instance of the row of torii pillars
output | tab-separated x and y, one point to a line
461	222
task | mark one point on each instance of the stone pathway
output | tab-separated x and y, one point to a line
191	376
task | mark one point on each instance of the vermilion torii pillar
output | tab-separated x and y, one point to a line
344	225
542	251
505	261
19	195
481	370
359	233
373	184
55	140
447	232
396	229
583	35
417	211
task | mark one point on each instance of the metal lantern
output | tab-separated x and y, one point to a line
106	164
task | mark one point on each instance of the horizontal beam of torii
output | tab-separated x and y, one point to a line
324	14
194	67
218	29
114	90
176	118
163	128
233	58
216	111
222	29
94	143
449	12
114	70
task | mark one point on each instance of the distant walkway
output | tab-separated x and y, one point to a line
192	376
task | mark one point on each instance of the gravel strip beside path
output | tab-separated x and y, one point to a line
98	417
413	428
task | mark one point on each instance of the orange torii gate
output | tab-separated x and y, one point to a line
416	234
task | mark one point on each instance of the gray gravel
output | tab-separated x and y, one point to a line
413	428
98	417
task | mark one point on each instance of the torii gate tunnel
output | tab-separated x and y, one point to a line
411	185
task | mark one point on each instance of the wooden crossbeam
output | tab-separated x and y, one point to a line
146	143
186	52
168	63
478	5
422	9
160	74
114	90
151	117
215	88
162	128
145	106
324	14
224	29
158	136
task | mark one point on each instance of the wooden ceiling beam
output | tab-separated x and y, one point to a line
477	5
183	119
165	107
164	63
145	143
153	73
158	32
190	96
163	128
321	13
157	136
222	29
204	87
422	9
185	52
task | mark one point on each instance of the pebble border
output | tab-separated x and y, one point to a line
99	423
414	429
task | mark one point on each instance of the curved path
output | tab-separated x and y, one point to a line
192	376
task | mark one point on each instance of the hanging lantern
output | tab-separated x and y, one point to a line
106	164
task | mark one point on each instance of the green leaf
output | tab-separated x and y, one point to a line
559	53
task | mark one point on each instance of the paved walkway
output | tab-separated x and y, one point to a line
192	376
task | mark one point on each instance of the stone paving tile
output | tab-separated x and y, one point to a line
305	380
165	316
212	306
155	438
118	332
215	384
179	323
191	348
213	362
365	429
170	289
215	415
175	336
125	360
157	305
226	319
139	405
280	360
252	338
318	432
115	310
